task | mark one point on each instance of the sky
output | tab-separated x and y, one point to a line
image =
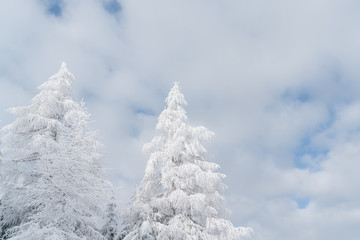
277	81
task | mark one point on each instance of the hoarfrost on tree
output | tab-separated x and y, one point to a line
109	230
53	181
180	196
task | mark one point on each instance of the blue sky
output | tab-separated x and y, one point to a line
277	81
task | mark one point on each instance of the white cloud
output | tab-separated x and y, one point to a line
277	81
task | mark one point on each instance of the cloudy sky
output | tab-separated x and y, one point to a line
277	81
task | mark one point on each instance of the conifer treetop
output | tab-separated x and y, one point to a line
55	185
175	98
180	196
61	81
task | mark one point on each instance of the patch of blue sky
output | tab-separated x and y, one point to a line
142	110
302	203
308	156
88	95
296	96
112	6
134	131
54	7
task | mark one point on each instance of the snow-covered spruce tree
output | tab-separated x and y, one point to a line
109	230
54	185
180	196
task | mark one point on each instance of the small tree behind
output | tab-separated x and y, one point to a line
180	196
109	230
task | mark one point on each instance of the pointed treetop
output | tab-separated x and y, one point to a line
175	97
173	115
63	66
64	72
61	80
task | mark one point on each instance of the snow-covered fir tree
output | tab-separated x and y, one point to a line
109	230
54	185
180	196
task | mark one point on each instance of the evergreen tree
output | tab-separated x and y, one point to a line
53	182
180	196
110	228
